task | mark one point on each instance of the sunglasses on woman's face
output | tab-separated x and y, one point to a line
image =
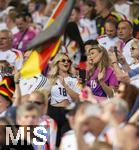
65	60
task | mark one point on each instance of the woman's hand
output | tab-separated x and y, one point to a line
121	59
89	62
18	96
112	57
87	95
101	75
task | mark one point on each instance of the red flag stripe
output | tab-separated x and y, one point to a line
46	54
59	8
5	91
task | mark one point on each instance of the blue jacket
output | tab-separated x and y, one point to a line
133	72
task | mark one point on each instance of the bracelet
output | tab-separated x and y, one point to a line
114	62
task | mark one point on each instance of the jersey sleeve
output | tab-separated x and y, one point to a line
41	82
75	86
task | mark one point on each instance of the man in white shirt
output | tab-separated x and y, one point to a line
12	56
125	33
110	39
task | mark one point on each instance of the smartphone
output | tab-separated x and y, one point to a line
116	52
82	75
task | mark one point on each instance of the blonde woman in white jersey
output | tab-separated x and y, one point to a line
63	90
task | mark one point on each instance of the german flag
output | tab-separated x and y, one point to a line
7	87
47	43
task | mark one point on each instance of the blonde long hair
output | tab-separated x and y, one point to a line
54	70
104	61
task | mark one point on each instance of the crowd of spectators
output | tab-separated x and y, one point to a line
88	97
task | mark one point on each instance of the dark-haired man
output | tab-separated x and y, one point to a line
125	33
25	34
110	38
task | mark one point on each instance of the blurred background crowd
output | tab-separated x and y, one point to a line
87	97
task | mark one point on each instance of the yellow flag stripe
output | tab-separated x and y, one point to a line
51	19
32	62
56	48
4	93
7	86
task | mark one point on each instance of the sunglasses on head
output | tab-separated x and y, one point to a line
95	47
65	60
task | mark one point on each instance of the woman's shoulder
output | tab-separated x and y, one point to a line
109	70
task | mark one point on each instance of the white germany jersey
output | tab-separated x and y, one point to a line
37	82
91	26
107	42
59	93
13	57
